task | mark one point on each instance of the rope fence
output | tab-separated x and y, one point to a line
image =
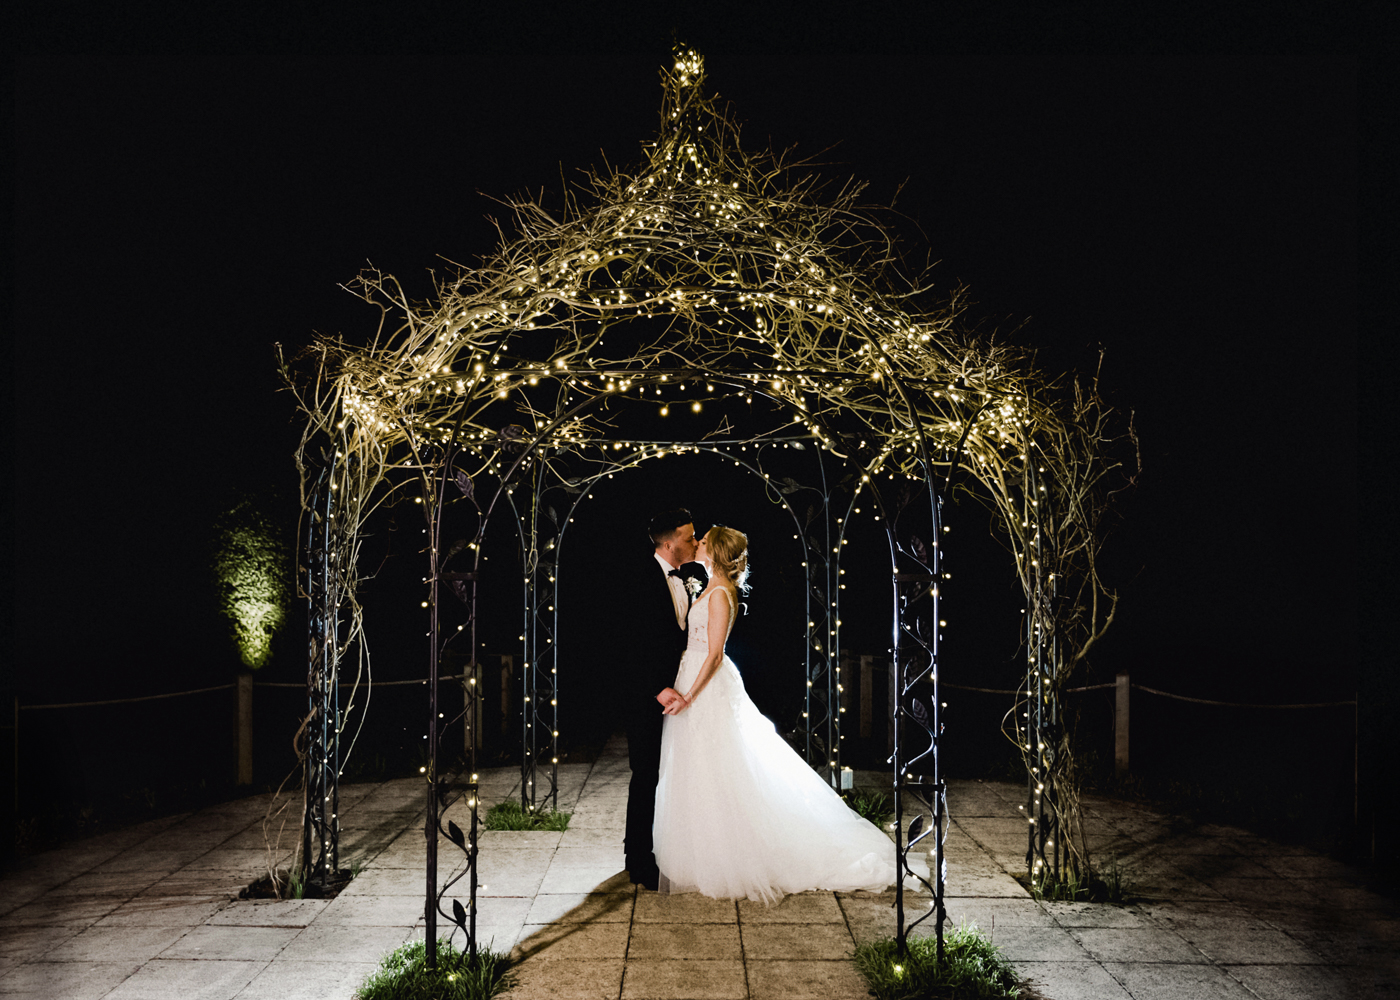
223	687
1163	694
457	677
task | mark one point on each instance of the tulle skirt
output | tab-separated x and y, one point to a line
740	815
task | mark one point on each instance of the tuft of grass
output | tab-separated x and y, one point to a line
874	806
510	816
1112	887
403	974
973	968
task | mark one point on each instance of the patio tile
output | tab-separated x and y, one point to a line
65	980
175	979
283	980
1169	981
1043	944
593	879
589	857
804	980
796	942
223	941
29	944
801	908
1072	980
1249	945
163	911
517	839
254	862
60	910
965	882
1096	915
697	980
270	912
579	908
1136	944
683	908
126	884
579	979
1293	982
342	943
155	862
116	944
572	839
573	941
990	914
685	942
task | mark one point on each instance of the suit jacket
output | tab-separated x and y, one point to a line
652	652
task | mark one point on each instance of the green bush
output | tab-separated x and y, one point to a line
403	974
510	816
973	968
874	806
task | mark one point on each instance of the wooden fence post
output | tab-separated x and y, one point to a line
867	695
471	719
1120	727
507	674
245	728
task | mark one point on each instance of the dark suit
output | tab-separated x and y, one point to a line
650	659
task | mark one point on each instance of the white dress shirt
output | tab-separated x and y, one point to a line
679	597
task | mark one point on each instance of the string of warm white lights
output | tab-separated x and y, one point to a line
747	305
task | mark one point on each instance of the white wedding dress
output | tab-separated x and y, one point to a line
738	813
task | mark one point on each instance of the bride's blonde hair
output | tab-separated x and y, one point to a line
729	552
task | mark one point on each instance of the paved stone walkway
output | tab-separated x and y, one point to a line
149	912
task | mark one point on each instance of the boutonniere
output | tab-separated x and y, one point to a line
693	586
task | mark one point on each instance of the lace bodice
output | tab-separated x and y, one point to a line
698	622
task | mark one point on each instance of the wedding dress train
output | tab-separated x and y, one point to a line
738	813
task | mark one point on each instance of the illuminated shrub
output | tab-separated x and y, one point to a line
250	574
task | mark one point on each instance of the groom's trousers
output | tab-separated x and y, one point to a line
644	757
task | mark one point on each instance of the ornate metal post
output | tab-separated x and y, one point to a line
320	817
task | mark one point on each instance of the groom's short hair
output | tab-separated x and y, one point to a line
664	525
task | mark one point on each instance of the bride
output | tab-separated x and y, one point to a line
738	813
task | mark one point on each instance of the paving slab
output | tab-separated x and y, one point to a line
69	980
281	980
150	912
172	979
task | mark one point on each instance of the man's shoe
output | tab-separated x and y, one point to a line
647	876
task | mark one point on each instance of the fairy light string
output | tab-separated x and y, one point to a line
725	299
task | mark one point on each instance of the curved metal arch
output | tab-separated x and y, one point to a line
818	669
511	477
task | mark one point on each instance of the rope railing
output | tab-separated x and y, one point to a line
223	687
457	677
1165	694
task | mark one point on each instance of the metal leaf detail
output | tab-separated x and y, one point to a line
920	550
464	483
915	827
455	832
790	485
916	708
459	587
459	913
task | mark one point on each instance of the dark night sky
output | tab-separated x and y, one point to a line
1194	216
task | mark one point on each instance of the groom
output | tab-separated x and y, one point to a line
660	602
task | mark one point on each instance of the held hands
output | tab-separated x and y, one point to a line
672	702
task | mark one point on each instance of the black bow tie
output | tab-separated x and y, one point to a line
676	573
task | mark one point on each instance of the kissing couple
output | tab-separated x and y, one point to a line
718	802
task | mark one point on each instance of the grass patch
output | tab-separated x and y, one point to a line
510	816
1101	887
973	968
874	806
403	974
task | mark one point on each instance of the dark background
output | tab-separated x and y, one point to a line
1193	216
